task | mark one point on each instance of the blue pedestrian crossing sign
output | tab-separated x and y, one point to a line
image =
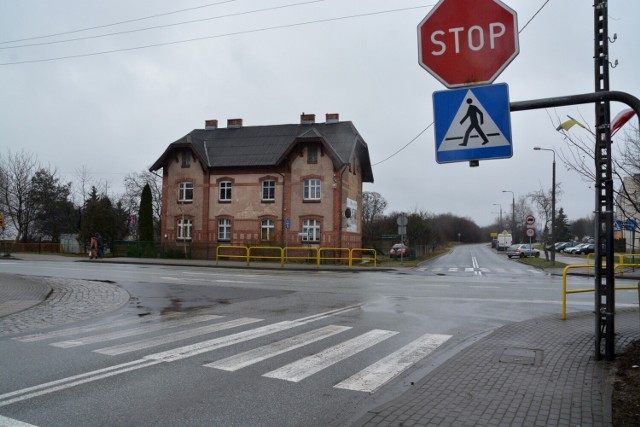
472	123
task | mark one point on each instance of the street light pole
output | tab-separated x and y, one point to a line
513	212
553	203
498	204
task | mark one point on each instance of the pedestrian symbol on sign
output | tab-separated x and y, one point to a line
473	113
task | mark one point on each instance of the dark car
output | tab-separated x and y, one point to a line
399	250
588	249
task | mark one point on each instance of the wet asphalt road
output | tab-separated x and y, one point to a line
171	355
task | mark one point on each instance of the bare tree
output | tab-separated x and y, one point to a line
542	201
17	171
578	156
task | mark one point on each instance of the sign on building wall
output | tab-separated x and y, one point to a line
351	216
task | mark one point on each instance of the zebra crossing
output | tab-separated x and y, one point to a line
478	271
173	329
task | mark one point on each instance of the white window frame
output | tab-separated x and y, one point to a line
311	230
184	229
268	190
267	226
185	189
311	189
224	229
224	191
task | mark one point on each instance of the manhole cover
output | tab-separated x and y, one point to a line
521	356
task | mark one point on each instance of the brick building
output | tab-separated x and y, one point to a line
265	185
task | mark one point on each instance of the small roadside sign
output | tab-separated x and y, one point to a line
530	220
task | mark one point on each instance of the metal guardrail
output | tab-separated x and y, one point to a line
296	253
583	290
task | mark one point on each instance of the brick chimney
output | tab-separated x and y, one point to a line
211	124
234	123
307	119
332	118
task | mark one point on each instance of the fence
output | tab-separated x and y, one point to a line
308	254
8	247
583	290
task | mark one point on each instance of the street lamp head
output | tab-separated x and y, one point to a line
537	148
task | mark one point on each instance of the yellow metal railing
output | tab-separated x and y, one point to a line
296	253
577	291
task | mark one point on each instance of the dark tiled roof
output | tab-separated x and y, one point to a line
255	146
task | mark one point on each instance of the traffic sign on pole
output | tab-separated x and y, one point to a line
468	42
472	123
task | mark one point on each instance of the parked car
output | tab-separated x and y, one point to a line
522	251
399	250
588	249
575	249
568	246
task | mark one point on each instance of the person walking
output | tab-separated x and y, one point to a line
100	245
93	247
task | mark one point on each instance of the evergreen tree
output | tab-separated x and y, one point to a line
145	216
562	231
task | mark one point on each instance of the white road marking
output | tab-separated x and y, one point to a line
65	383
452	269
86	329
52	386
375	376
135	331
216	343
175	336
303	368
242	360
476	266
10	422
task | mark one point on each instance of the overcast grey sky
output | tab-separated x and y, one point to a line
115	113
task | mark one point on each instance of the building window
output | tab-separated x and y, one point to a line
185	192
311	189
312	154
268	190
311	230
186	159
224	229
184	229
224	194
267	230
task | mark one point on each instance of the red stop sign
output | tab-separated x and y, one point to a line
468	42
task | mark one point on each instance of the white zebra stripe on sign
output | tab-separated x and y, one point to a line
375	376
242	360
175	336
303	368
135	331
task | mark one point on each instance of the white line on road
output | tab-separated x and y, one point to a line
135	331
65	383
10	422
375	376
175	336
86	329
57	385
216	343
242	360
303	368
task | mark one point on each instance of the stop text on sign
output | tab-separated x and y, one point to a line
475	37
467	42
